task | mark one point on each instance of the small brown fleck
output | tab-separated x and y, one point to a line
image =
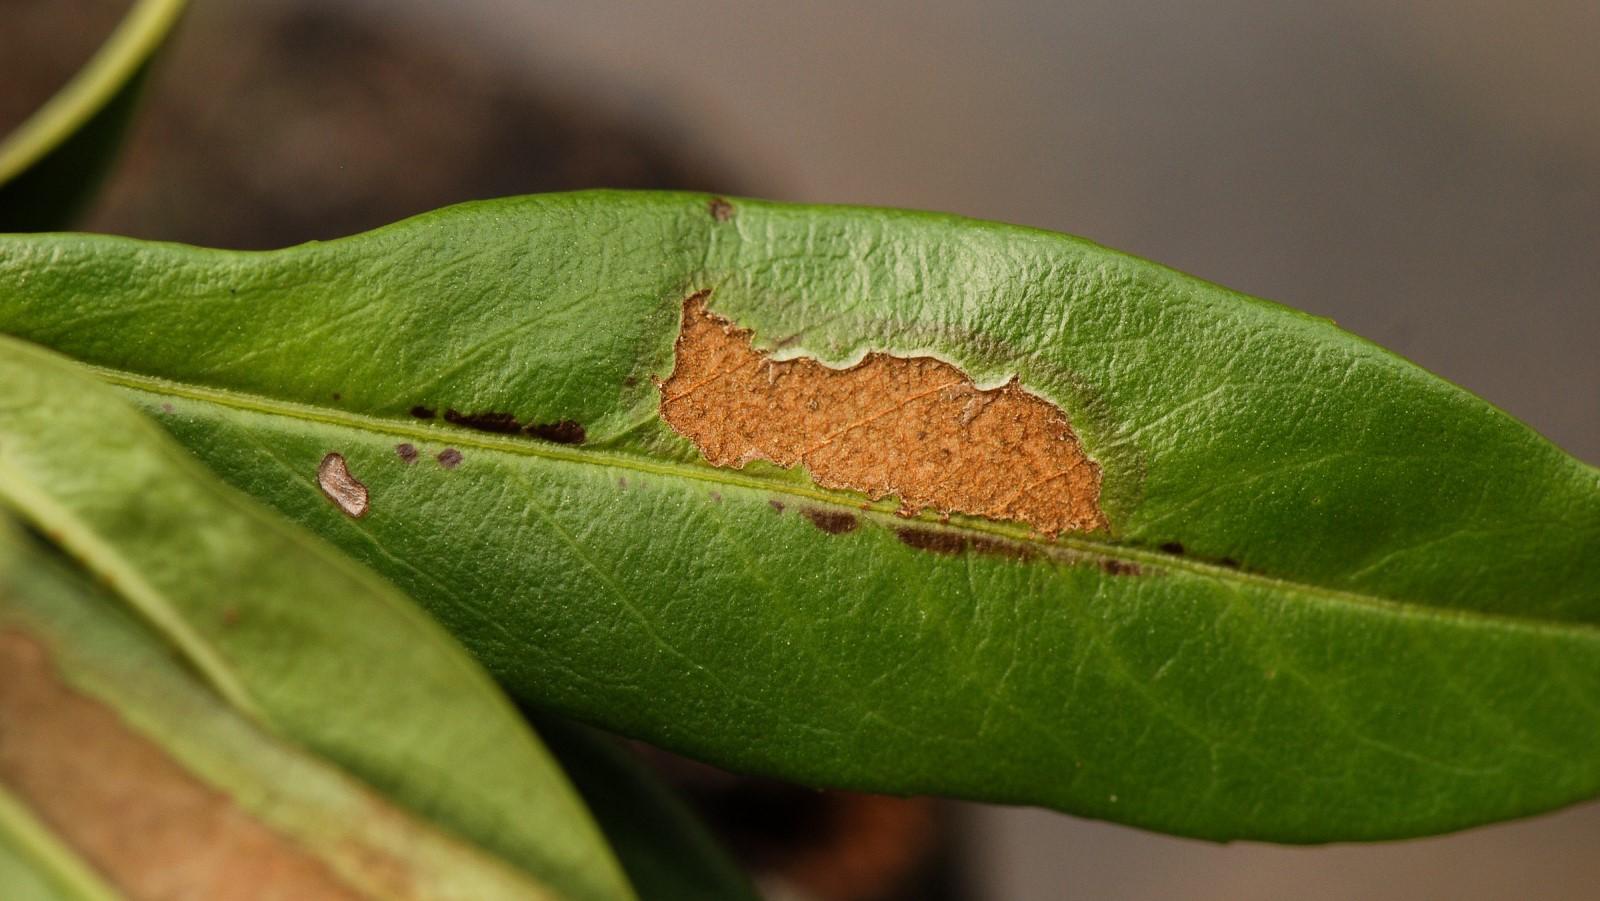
834	522
940	542
721	210
777	505
1229	562
1114	567
716	497
1173	547
230	615
564	432
338	396
166	408
449	458
422	412
344	489
407	452
622	482
630	381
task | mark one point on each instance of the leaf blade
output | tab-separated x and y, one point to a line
125	755
671	601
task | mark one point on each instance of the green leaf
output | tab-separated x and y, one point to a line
1334	597
136	764
666	851
35	865
51	164
291	633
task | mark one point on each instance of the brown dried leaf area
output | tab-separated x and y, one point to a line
132	812
913	427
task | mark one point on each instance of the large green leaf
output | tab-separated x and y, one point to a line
166	790
288	631
1335	598
50	165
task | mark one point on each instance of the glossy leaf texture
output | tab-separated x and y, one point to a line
290	633
1335	597
51	164
150	785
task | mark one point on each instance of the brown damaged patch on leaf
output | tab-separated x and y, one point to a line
564	432
834	522
344	489
914	427
145	823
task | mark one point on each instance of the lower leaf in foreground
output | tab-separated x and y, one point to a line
306	643
133	772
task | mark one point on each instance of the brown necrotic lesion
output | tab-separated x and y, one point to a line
344	489
913	427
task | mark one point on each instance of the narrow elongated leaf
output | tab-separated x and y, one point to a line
287	630
50	165
1061	526
144	778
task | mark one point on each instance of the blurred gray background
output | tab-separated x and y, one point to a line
1427	174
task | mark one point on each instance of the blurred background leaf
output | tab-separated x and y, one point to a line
53	161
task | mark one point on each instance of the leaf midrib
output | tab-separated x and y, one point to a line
881	511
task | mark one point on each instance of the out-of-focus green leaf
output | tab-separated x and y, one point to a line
286	629
1335	597
34	864
172	793
51	164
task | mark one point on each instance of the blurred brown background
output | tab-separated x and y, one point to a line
1427	174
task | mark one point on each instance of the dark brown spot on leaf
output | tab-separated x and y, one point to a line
564	432
999	547
166	408
422	412
834	522
1114	567
1229	562
936	540
721	210
449	458
776	504
1173	547
344	489
502	423
407	452
629	381
915	427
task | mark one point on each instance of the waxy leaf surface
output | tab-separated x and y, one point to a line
1303	592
